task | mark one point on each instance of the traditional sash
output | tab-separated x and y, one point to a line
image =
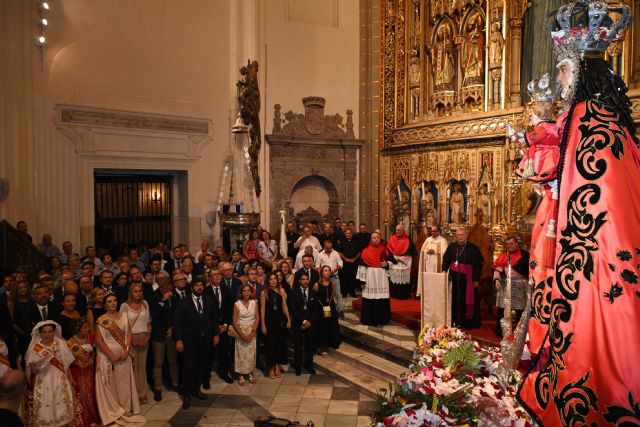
45	353
467	270
115	331
83	357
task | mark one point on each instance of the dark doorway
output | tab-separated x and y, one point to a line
131	210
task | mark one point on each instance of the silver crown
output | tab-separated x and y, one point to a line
587	27
543	90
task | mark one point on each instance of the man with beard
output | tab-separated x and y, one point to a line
196	332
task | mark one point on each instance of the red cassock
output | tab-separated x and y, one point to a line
589	374
540	165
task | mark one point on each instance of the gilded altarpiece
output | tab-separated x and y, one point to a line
450	88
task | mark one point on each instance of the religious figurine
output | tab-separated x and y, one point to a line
473	52
484	203
496	44
456	205
427	203
586	371
249	100
444	70
414	71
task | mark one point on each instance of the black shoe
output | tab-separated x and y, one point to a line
341	315
200	395
206	385
298	372
310	369
226	378
157	395
186	402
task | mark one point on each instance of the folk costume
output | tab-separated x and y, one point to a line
84	375
50	398
587	373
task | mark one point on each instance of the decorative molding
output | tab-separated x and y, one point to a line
477	128
441	146
99	117
313	123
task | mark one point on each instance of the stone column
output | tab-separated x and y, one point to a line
515	27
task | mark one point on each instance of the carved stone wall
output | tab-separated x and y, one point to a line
308	145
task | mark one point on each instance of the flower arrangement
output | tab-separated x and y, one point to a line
451	382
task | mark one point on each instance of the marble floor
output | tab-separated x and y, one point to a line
318	398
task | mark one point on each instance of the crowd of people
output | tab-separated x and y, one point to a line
97	334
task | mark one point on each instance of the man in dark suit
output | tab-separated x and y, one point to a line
304	313
236	262
195	334
175	260
307	268
163	308
228	280
223	299
42	307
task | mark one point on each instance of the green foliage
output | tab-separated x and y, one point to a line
462	359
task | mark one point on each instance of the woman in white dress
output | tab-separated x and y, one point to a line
137	311
116	392
5	364
50	399
245	323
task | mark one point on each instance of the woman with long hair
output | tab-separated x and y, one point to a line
50	398
267	249
286	277
21	309
68	315
245	324
96	307
83	370
327	331
275	320
116	392
139	317
585	372
250	249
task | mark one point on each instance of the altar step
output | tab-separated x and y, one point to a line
359	368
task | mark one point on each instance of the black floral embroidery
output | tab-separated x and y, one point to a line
637	251
612	267
541	301
624	416
629	276
624	255
575	401
613	293
533	265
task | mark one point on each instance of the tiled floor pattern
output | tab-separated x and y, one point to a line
318	398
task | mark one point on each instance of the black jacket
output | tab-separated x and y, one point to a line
190	327
225	307
236	284
314	277
297	307
53	313
162	313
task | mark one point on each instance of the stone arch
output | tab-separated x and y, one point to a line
321	183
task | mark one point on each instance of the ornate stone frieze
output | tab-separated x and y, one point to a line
313	123
451	131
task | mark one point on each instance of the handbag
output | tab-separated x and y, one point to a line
232	332
137	340
326	311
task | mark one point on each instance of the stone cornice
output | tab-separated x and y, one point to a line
496	141
130	120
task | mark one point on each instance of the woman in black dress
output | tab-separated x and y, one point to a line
96	307
68	315
327	331
21	316
274	316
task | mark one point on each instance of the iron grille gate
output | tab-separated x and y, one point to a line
131	211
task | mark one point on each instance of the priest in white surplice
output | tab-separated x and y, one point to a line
432	283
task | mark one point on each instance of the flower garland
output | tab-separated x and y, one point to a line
451	382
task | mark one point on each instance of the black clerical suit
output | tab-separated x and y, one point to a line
163	346
303	308
349	248
292	237
223	299
196	331
465	254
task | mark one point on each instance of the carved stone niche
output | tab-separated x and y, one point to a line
313	152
